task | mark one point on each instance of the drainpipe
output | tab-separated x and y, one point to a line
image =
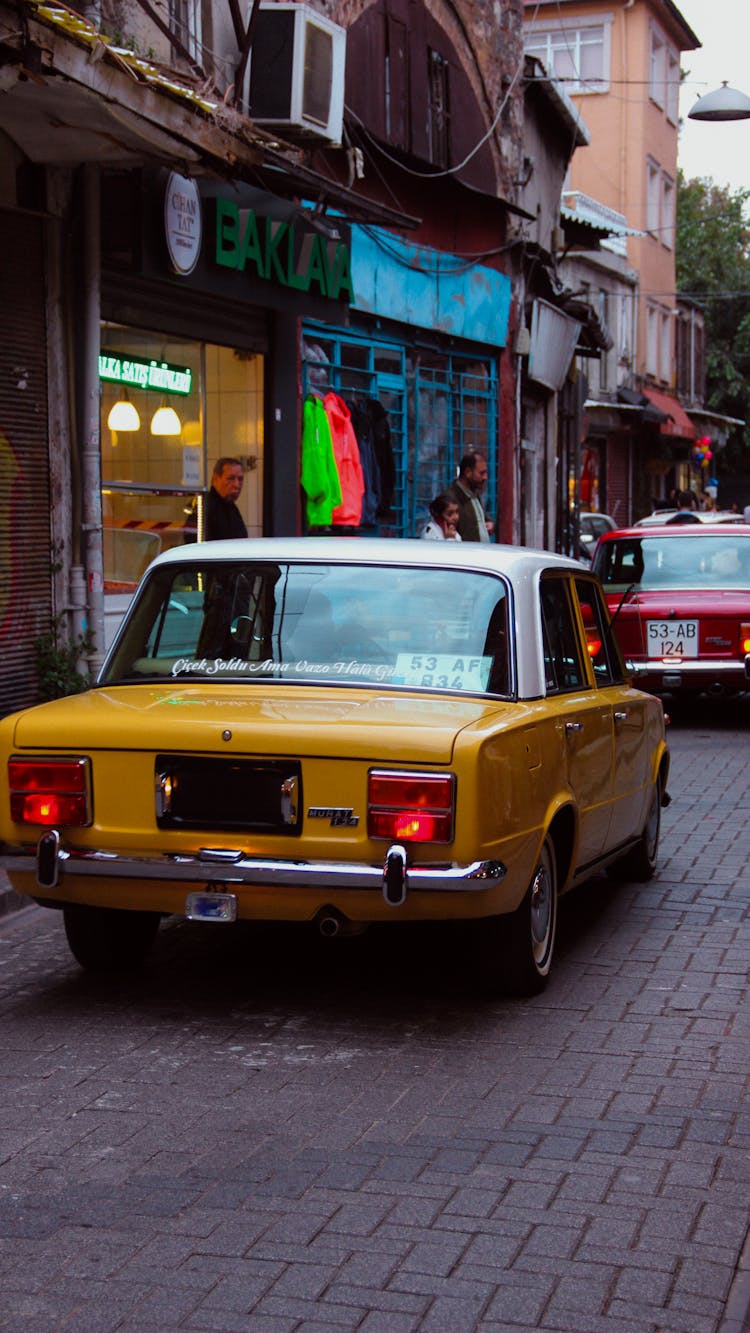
91	545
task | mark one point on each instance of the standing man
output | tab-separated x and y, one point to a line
223	518
473	523
685	512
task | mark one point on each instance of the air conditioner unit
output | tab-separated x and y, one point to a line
295	76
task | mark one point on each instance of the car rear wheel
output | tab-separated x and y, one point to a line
516	951
104	939
639	863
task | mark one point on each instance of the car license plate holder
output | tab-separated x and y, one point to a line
672	639
211	906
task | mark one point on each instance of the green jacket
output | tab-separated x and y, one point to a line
320	478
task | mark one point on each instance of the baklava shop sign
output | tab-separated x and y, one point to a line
284	253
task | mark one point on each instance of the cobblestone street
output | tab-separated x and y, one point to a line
270	1133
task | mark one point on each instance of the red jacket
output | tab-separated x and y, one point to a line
346	453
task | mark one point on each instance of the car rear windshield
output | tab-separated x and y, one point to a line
700	560
352	624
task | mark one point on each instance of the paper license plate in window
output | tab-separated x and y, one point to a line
672	638
442	671
211	907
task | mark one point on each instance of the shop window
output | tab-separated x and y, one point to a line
153	484
439	406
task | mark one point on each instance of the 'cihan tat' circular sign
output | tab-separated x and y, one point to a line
183	225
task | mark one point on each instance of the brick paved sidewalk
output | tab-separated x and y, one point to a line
275	1138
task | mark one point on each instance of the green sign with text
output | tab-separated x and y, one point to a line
282	253
157	375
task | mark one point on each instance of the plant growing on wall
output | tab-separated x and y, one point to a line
57	657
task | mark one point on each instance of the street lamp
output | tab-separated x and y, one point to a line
724	104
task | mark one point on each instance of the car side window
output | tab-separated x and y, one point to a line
563	663
619	564
600	643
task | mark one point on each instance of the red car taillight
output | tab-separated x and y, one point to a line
593	641
410	807
745	638
49	791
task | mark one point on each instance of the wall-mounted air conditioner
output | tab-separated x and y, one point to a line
295	76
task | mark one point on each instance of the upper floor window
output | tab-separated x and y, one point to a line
690	356
415	95
653	189
438	108
660	204
658	341
603	304
577	56
667	221
664	73
185	23
673	85
657	67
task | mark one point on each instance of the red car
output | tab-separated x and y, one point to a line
680	596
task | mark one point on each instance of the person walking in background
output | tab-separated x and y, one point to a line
442	525
685	512
223	518
473	523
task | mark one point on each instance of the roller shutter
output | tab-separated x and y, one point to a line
617	497
25	584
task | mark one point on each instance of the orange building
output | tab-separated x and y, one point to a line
620	63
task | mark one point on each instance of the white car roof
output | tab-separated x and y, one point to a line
662	516
514	561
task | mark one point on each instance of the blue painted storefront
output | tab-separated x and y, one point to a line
424	336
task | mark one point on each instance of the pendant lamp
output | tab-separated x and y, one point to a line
165	421
123	415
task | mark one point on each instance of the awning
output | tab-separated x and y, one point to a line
69	95
678	424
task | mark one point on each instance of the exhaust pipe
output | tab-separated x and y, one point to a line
329	926
330	923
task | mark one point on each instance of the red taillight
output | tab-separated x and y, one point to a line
410	807
745	638
49	791
593	641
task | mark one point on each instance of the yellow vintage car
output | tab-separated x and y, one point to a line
341	732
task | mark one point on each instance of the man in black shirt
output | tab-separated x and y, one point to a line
223	518
685	512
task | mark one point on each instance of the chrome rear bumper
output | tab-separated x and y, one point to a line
53	863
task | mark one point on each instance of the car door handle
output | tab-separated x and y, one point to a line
620	717
573	726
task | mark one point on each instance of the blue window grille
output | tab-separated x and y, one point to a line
439	405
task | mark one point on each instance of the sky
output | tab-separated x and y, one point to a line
720	150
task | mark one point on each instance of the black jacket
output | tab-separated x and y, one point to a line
223	518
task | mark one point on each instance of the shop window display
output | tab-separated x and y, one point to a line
433	407
209	401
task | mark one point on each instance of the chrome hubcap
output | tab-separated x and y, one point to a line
541	911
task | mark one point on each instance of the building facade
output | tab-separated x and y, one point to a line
189	255
621	67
